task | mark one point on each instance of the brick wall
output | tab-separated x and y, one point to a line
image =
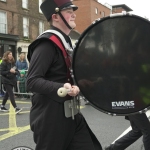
15	14
10	8
86	13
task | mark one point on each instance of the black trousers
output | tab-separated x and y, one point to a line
53	131
9	93
140	126
83	139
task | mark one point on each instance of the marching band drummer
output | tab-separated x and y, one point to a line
54	125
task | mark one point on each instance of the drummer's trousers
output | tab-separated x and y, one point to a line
83	138
140	126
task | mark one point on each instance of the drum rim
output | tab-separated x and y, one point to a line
73	59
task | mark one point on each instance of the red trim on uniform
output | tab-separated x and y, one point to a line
57	41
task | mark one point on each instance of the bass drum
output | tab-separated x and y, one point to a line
111	64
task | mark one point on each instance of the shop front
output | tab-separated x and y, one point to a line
8	43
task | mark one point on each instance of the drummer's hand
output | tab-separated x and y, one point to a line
73	90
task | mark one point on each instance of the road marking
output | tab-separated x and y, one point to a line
81	107
14	132
129	129
13	129
12	118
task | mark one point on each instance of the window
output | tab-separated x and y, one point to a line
25	4
25	27
41	27
40	2
3	22
103	14
3	0
96	10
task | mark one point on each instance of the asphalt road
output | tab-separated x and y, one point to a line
15	129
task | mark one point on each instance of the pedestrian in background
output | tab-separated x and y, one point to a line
21	63
1	92
0	60
9	72
21	83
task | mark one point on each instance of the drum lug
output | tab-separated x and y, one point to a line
145	109
140	112
109	114
124	13
75	43
96	20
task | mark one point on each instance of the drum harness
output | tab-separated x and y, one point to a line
71	107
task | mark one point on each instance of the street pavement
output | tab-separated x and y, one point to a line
15	130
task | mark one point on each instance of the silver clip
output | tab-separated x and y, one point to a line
78	103
71	106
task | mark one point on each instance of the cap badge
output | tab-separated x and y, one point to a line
57	9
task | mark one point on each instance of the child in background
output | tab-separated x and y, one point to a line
21	83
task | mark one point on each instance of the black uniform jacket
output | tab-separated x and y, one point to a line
48	70
7	76
47	73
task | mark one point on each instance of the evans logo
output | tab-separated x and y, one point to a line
123	104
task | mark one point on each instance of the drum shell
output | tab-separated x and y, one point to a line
111	64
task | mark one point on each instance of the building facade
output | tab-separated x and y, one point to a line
20	23
120	8
88	11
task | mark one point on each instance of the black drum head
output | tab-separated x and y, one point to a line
111	64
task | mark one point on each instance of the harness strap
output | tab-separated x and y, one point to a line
67	58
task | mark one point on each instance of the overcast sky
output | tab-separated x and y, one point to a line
140	8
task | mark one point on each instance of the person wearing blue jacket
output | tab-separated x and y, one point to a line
21	63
